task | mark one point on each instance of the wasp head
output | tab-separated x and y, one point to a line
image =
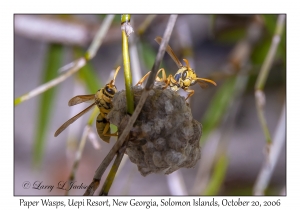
188	75
110	88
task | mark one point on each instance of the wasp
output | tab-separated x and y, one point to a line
103	100
184	77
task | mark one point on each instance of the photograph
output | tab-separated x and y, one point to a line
149	105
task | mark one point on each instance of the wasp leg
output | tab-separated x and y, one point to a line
143	79
191	92
164	77
103	130
157	78
173	79
169	80
107	126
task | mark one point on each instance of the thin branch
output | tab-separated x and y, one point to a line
225	136
267	169
113	171
99	172
265	69
208	154
72	134
185	41
79	151
97	41
77	65
176	183
218	175
262	77
135	61
217	144
94	139
260	103
73	67
142	28
78	155
160	54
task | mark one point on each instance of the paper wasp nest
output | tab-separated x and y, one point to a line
165	137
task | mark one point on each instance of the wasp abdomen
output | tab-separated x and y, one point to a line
101	123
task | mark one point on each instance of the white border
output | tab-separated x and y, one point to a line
10	7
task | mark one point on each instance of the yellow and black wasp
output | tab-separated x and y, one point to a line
184	77
103	100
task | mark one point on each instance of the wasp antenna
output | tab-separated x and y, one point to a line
207	80
187	62
117	70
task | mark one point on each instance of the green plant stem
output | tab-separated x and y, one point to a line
126	30
262	77
125	18
53	61
218	107
265	69
127	73
113	171
217	176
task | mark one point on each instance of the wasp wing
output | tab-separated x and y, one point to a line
170	52
73	119
203	82
81	98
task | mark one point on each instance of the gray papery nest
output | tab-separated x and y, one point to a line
165	137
